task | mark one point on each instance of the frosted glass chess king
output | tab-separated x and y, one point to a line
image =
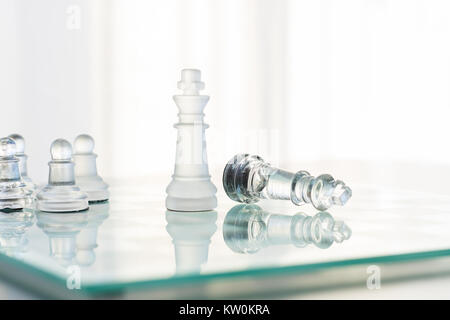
13	195
248	178
61	194
86	169
191	188
20	154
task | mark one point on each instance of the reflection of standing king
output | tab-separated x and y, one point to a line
191	233
248	228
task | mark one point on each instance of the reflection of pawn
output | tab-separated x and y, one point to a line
20	154
86	169
13	229
13	195
248	228
62	230
191	234
191	188
61	194
87	238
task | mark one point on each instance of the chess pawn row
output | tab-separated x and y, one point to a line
72	185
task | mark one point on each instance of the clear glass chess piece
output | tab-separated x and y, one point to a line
13	195
62	231
20	154
61	193
86	169
248	229
248	178
191	234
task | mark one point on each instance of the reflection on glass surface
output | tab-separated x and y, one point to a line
191	234
73	236
87	238
248	228
13	229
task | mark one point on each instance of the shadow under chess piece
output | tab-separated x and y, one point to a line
87	238
23	158
248	228
191	234
86	169
13	195
13	229
191	188
61	194
248	178
62	230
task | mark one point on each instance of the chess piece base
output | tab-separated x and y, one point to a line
61	199
191	195
95	187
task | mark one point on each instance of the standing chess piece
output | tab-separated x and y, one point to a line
13	195
191	188
20	154
86	169
61	194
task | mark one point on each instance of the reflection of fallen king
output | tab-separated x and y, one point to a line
191	188
248	228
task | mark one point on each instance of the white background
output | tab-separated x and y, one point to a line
294	81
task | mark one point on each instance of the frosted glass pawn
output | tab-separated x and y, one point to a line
191	188
61	194
13	195
20	154
86	169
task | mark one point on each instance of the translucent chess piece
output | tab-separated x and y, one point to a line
62	231
248	228
248	178
87	238
20	154
13	195
86	169
61	194
191	234
191	188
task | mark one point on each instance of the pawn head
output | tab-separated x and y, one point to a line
61	150
83	144
20	142
7	148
